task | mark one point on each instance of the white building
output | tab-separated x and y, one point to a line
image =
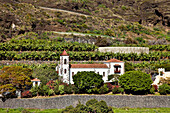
66	71
162	74
36	82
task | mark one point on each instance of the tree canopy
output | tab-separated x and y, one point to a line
45	75
135	82
86	81
14	77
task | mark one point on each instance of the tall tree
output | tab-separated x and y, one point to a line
86	81
14	77
135	82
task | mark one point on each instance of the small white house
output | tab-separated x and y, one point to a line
36	82
161	74
67	71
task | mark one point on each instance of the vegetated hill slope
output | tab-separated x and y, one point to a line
143	11
113	18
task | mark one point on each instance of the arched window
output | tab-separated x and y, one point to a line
65	71
65	61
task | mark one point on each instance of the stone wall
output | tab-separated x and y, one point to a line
112	100
137	50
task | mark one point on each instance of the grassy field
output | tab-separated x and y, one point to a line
116	110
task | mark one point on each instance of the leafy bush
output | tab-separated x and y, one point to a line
92	106
135	82
68	89
152	90
104	89
86	81
117	90
75	90
164	89
61	89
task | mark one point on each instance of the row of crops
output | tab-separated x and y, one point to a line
77	56
53	45
44	45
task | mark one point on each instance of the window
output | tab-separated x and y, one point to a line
65	61
104	74
61	71
72	73
65	71
117	68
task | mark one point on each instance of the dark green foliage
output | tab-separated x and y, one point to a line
68	89
86	81
44	45
152	90
117	90
45	75
92	106
75	90
129	67
104	89
164	89
135	82
50	55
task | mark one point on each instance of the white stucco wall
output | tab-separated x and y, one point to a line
111	65
62	66
137	50
96	70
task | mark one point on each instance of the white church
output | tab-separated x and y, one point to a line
66	71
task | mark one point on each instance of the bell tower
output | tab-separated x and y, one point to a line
64	67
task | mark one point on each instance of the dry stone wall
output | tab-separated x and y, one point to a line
112	100
137	50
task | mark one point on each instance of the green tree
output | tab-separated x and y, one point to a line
15	77
45	74
86	81
135	82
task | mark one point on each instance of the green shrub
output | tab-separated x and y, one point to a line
152	90
164	89
104	89
75	90
61	89
56	90
135	82
115	90
68	89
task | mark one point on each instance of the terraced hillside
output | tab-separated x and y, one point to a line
120	19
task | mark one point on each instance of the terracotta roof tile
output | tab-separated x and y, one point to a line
89	66
113	60
64	53
36	80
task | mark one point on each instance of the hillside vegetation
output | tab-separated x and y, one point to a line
147	19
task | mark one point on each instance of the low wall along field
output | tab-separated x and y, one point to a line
137	50
112	100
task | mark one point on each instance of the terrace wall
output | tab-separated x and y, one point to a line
112	100
137	50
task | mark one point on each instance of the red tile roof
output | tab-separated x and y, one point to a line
113	60
36	80
64	53
89	66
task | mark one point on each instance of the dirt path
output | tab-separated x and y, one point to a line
81	34
66	11
76	13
